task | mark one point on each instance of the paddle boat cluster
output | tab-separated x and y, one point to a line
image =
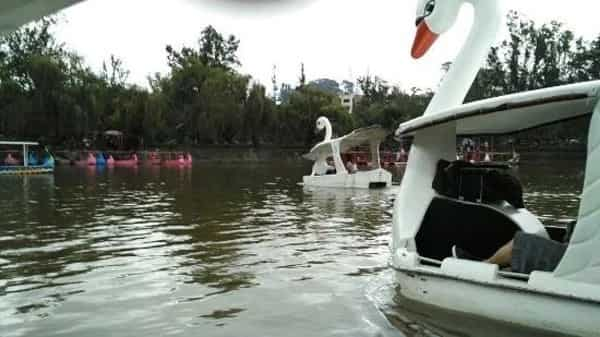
154	158
25	161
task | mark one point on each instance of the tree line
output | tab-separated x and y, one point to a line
48	93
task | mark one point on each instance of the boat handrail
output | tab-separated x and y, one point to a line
430	261
528	222
512	275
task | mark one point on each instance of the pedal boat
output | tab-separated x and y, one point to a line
426	225
564	301
131	162
182	160
29	165
372	178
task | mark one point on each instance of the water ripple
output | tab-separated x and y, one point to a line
206	251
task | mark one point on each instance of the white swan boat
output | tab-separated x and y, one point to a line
426	225
376	177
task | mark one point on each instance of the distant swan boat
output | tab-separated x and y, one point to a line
324	175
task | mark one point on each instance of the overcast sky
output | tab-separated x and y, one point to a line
339	39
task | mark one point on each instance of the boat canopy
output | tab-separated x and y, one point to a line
19	143
15	13
513	113
369	135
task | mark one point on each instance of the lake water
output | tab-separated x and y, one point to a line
219	250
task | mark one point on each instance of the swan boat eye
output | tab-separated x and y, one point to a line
427	11
429	7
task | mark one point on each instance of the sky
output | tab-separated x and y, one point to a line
338	39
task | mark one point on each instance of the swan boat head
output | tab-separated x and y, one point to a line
323	123
433	19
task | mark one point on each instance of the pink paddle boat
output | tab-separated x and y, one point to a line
110	162
181	161
10	160
89	161
153	158
133	162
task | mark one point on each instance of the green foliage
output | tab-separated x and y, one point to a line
386	105
327	85
536	57
298	116
48	93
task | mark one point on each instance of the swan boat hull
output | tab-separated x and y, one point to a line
378	178
125	163
479	289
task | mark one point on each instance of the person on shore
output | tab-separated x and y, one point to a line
525	252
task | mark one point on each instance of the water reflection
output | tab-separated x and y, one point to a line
417	319
216	250
552	189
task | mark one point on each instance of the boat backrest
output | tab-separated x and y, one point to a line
477	228
486	182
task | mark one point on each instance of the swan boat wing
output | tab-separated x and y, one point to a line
513	113
15	13
371	134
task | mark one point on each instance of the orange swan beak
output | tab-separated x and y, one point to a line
423	40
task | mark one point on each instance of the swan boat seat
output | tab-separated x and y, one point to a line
478	207
482	228
479	228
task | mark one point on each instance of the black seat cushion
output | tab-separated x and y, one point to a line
476	228
478	182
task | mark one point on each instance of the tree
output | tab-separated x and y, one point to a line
302	77
327	85
216	51
257	110
299	114
114	73
374	89
285	92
